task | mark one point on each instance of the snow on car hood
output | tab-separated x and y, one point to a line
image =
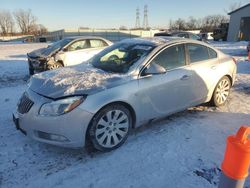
75	80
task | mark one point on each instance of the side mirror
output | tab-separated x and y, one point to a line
154	68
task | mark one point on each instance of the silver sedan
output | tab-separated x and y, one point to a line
126	85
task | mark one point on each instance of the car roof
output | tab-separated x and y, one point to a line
153	41
179	32
83	37
159	40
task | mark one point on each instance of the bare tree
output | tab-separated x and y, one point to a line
179	24
191	23
171	25
6	22
209	23
122	27
233	6
38	29
42	29
198	23
206	24
26	21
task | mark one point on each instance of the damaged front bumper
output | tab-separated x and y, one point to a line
67	130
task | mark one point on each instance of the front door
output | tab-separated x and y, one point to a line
167	93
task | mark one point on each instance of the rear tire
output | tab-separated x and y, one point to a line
110	127
221	92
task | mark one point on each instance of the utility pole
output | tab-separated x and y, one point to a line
137	22
145	18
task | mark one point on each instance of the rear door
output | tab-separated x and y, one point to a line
96	45
77	52
162	94
204	64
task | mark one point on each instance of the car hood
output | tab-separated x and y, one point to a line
43	52
82	79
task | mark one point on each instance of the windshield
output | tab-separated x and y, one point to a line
59	44
120	57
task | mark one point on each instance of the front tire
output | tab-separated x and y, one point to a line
221	92
110	127
55	65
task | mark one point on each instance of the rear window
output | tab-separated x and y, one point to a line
197	53
95	43
212	53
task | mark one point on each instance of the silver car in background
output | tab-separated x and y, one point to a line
126	85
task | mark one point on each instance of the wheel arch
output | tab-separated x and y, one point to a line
230	78
61	62
212	93
226	75
125	104
51	62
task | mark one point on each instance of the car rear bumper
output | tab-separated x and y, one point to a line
66	130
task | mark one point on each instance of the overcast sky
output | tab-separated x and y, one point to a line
59	14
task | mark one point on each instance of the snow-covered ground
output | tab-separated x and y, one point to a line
182	150
13	62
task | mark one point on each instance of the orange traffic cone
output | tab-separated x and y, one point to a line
236	160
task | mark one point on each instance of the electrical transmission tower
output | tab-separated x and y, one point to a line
145	18
137	22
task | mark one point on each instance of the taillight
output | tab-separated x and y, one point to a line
235	61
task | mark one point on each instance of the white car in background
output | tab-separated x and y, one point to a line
66	52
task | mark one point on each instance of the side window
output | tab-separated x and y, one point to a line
96	43
183	35
78	45
212	53
171	57
197	52
195	37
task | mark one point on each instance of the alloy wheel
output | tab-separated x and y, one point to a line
222	91
112	128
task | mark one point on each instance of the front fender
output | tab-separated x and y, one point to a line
95	102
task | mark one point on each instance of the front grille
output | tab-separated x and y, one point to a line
34	62
24	104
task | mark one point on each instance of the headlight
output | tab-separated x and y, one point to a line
61	106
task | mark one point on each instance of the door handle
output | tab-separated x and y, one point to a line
214	67
185	77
